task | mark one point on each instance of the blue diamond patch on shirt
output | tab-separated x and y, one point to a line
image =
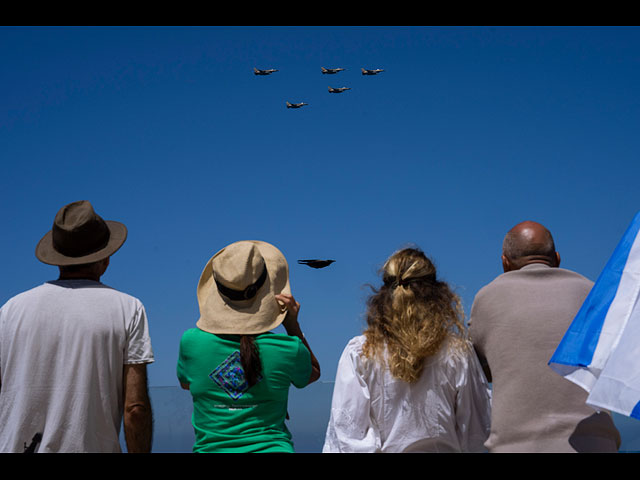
229	375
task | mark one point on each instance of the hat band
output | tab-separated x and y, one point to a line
245	294
64	243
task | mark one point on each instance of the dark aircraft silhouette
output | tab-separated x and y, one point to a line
316	263
338	90
263	72
372	72
296	105
331	70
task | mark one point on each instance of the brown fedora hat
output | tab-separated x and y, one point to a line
79	236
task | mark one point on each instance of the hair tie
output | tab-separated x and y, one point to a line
431	277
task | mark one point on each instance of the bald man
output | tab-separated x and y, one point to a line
516	323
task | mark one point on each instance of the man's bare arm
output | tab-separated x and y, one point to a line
138	419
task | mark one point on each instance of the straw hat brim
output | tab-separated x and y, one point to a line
260	314
46	253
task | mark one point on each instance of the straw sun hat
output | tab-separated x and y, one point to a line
237	289
80	236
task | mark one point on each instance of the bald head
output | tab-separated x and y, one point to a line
526	243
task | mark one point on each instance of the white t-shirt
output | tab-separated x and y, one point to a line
63	347
447	410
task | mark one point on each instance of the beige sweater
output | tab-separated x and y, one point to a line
516	323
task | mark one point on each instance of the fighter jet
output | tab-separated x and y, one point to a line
372	72
338	90
263	72
331	70
296	105
316	263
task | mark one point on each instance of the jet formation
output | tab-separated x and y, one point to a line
328	71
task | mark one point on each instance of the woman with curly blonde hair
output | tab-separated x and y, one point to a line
411	382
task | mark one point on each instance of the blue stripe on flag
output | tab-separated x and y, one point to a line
580	341
635	413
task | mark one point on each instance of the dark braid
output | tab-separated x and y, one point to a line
250	358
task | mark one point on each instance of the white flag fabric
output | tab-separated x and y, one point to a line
601	349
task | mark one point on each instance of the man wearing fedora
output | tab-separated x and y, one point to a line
73	352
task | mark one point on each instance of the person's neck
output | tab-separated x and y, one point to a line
538	262
79	276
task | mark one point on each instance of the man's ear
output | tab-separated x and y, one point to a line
104	264
506	264
557	259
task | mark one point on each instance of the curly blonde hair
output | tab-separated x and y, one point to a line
411	315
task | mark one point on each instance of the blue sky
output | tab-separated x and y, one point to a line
468	131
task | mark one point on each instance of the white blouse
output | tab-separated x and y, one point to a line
447	410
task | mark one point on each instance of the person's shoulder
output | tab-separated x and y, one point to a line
533	270
505	284
194	333
191	331
356	343
26	295
502	287
572	274
558	276
279	339
353	348
493	285
286	348
104	291
573	284
455	349
193	339
109	290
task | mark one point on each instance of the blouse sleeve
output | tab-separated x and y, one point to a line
473	406
350	428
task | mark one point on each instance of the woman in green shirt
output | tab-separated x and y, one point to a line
237	371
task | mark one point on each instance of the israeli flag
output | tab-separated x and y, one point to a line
601	349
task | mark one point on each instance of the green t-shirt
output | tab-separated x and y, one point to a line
228	417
